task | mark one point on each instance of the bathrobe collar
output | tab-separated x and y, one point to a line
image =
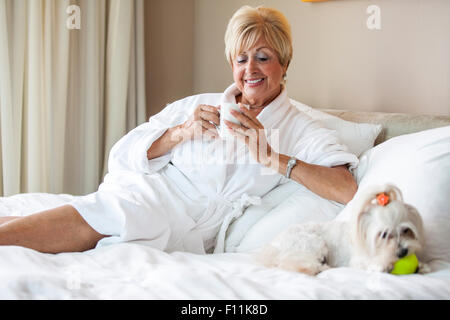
270	112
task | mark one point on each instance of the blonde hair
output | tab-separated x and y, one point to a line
248	24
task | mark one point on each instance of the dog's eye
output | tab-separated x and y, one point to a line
324	260
385	234
407	232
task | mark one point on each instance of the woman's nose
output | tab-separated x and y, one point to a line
251	66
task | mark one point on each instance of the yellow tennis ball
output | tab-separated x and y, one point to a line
406	265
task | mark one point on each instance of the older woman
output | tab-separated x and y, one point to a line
174	184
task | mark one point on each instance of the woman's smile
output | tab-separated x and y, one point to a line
254	82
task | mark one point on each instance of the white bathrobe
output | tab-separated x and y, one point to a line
186	199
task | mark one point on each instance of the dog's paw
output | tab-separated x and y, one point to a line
423	268
380	268
324	267
302	263
374	268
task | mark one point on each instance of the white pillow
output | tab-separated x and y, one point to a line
239	228
419	165
358	137
301	206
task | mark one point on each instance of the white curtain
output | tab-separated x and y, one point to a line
67	95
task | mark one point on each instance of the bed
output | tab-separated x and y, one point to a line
134	271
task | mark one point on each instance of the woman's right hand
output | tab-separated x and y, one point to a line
203	121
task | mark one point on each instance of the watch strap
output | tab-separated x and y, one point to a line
291	164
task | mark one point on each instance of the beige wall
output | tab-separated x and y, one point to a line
338	62
169	51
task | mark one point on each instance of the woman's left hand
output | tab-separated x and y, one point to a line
252	133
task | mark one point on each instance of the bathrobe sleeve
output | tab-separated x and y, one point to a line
130	152
321	146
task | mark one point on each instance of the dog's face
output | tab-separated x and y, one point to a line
387	233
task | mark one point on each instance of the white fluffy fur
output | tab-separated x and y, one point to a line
374	238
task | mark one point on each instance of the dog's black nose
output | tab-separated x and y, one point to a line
402	252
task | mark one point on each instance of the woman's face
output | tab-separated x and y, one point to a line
257	73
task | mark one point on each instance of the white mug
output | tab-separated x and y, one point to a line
225	114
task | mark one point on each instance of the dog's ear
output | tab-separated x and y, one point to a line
416	220
360	224
394	192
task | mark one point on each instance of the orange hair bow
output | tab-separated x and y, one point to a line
383	199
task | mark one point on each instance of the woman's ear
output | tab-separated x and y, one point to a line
286	67
284	73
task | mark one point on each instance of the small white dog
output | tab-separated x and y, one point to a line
381	230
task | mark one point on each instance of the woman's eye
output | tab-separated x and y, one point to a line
241	60
262	58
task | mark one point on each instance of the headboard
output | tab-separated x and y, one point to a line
394	124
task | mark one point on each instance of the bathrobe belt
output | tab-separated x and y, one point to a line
237	209
214	213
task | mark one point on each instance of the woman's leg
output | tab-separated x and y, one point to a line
7	219
61	229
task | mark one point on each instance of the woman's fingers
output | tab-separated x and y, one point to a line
208	116
207	107
249	115
203	121
209	113
241	129
255	139
209	129
246	118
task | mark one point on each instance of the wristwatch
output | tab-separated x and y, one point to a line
291	164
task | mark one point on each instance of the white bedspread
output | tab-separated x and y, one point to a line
134	271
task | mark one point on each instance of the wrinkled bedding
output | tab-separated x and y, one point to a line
134	271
